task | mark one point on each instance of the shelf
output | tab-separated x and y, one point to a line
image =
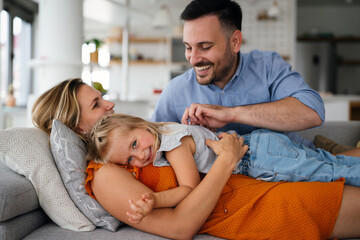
328	39
137	40
139	62
349	62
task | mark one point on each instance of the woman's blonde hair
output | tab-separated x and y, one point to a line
98	142
60	103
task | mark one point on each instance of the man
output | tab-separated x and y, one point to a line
229	90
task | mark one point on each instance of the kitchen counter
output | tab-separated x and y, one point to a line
341	107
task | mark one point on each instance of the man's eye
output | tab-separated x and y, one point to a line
134	144
206	47
129	161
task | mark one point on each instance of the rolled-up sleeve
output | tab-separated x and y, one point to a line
284	82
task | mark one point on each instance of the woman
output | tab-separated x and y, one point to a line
61	102
336	212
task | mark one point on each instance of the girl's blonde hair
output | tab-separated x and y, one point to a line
60	103
98	142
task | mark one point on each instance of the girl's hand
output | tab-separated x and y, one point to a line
229	145
141	208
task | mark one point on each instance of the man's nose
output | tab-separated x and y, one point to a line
194	57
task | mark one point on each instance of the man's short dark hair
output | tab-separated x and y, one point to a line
228	12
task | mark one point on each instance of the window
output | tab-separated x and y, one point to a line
16	48
96	69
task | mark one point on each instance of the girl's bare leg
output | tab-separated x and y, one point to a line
348	222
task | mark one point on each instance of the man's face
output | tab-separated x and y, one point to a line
209	51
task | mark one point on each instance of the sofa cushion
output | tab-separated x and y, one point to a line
69	153
17	194
346	133
50	232
21	226
27	152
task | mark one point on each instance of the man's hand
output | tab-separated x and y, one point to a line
210	116
141	208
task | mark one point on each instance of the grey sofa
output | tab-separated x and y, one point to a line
27	220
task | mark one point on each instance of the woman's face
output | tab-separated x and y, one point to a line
92	108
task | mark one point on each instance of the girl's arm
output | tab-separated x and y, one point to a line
114	186
182	161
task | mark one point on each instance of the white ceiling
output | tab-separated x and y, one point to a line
102	15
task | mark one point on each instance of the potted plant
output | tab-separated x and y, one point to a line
94	56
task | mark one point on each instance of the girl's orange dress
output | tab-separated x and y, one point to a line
253	209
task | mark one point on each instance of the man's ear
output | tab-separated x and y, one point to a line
235	41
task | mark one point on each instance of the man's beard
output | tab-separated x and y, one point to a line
217	76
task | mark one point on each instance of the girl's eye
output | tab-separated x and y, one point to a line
134	144
129	161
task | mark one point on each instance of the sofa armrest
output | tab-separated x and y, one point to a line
17	194
343	132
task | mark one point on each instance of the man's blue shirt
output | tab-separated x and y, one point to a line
261	77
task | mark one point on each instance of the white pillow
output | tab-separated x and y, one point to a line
27	152
69	153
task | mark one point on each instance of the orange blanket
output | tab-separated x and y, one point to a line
252	209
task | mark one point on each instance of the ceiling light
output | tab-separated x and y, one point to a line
163	18
274	10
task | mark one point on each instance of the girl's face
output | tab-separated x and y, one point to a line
92	108
135	148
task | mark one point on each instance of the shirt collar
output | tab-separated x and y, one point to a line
237	72
236	75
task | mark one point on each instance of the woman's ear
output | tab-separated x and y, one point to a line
236	41
79	130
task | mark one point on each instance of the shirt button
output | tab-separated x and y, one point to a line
223	92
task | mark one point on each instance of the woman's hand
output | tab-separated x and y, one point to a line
230	147
141	208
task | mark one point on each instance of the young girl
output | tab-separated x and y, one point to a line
134	142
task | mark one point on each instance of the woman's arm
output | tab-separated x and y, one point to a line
114	186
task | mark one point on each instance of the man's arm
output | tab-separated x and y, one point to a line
288	114
165	109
